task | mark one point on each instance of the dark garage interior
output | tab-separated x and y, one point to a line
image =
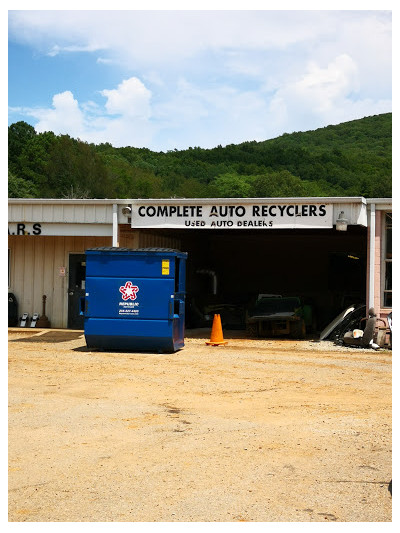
227	269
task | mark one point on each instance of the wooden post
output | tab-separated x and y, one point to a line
43	321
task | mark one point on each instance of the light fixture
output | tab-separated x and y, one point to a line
126	210
341	222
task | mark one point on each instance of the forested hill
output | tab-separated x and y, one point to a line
350	159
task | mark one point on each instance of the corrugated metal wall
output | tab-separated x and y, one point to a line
129	238
35	263
70	212
154	240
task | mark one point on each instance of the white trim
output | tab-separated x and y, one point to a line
128	201
69	201
57	229
371	245
247	213
115	225
380	203
92	214
228	201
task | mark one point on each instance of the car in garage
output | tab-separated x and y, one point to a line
276	315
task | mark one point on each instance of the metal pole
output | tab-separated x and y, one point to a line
115	226
371	291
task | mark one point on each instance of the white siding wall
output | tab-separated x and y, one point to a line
82	213
34	272
35	263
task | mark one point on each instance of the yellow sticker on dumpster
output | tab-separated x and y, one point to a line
165	267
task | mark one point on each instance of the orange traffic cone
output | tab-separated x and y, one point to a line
217	337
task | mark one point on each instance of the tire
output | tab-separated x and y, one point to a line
252	330
298	330
368	332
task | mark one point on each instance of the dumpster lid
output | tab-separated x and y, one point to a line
133	250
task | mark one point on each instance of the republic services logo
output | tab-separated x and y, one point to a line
129	291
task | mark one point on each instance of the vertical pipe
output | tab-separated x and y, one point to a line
371	286
115	226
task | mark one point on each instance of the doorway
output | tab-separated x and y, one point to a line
76	290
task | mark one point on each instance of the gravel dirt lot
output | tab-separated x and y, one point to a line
257	430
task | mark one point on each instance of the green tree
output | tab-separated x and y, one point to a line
33	161
20	188
350	159
231	185
74	167
277	184
18	136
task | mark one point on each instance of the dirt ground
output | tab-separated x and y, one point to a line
257	430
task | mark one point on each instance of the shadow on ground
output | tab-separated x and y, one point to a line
48	336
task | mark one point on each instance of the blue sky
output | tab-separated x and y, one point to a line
172	79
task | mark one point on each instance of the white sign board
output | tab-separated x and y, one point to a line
44	228
234	216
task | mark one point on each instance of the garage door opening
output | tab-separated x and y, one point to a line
228	269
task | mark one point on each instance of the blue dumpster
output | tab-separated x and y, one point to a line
135	299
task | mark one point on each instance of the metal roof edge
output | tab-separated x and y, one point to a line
94	201
128	201
298	199
379	201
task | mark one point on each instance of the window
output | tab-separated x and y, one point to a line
387	261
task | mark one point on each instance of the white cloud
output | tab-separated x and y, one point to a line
206	117
197	116
367	39
122	121
203	78
322	88
64	117
155	37
56	49
121	131
324	95
131	99
104	61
